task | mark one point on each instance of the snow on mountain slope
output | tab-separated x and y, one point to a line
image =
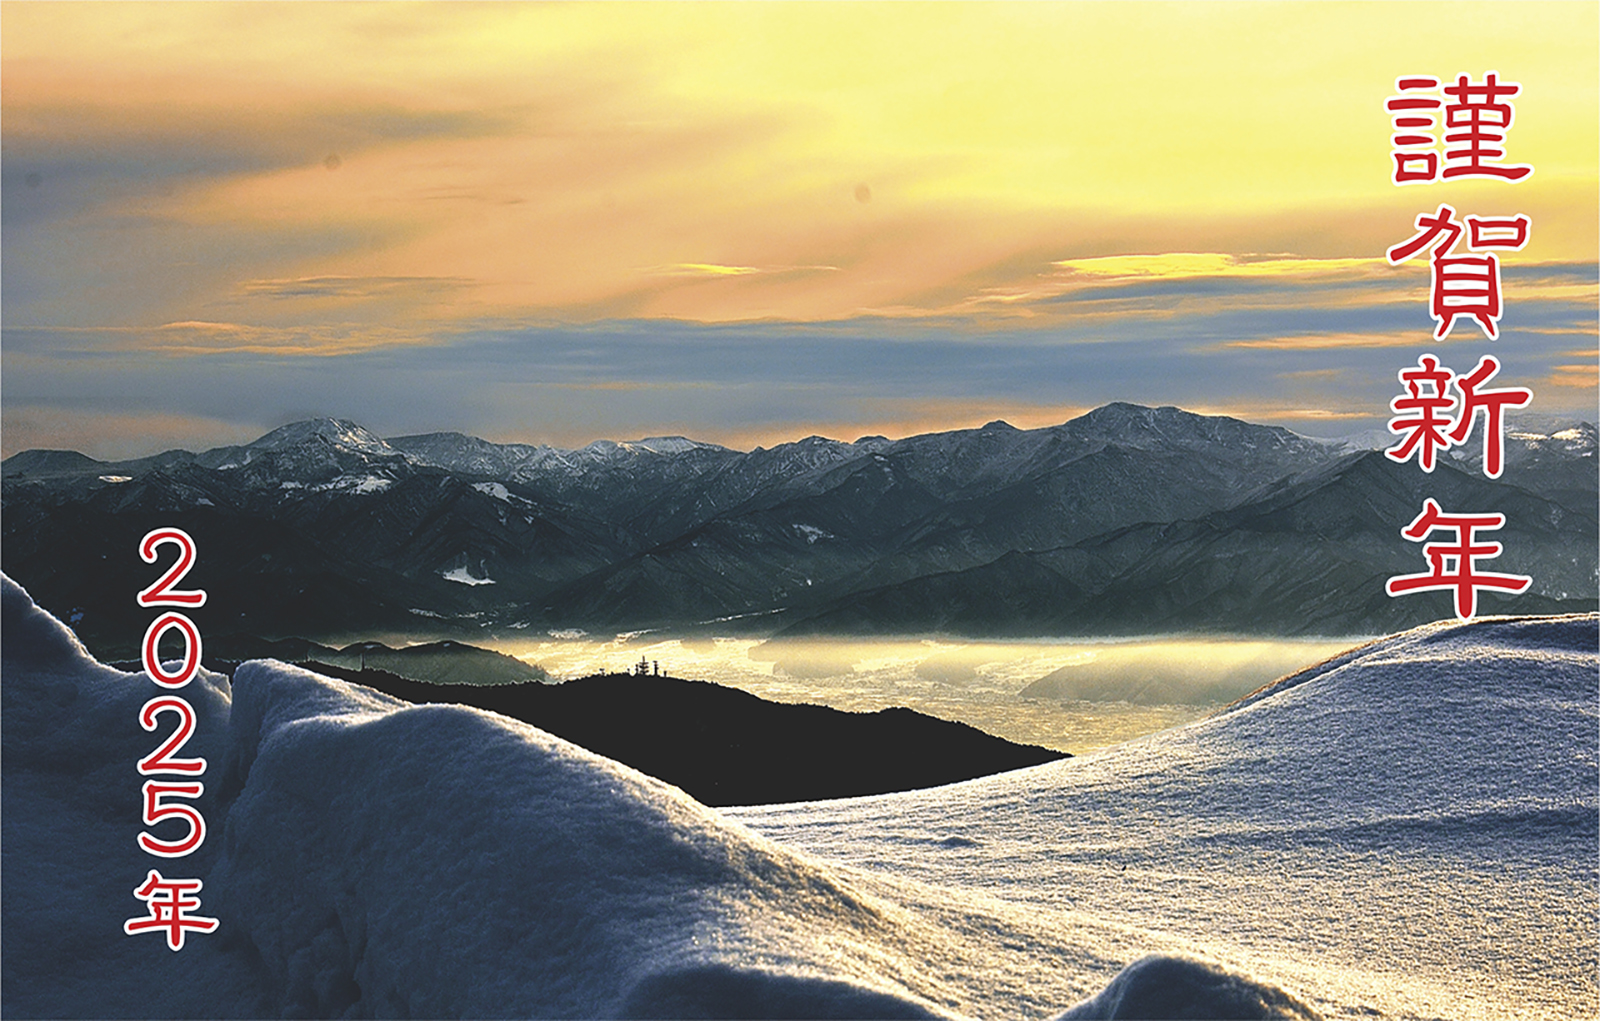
371	858
469	455
335	432
1407	829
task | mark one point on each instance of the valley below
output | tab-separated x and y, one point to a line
1070	696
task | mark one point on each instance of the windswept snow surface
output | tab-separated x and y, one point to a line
370	858
1409	829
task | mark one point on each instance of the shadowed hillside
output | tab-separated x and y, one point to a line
728	747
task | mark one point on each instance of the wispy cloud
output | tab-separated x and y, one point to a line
1190	285
321	341
352	286
738	385
1254	411
1190	265
706	269
1582	377
1588	330
1327	341
1313	374
1554	289
712	269
632	385
195	338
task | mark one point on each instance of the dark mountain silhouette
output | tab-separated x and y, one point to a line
728	747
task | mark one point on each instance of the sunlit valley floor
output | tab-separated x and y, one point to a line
1070	696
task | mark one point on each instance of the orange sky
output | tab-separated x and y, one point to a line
332	180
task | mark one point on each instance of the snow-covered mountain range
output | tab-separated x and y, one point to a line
1128	519
1405	831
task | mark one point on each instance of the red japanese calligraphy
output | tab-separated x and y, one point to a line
1415	158
1463	285
1504	232
1431	227
1475	120
1492	403
1477	123
169	901
1426	430
1454	564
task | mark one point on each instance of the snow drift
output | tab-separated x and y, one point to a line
1406	829
371	858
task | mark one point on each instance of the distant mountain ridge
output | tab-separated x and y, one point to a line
1123	520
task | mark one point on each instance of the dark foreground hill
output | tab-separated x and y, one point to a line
728	747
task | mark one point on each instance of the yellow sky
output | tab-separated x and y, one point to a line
748	221
773	161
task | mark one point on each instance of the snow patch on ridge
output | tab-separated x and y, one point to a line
463	575
361	485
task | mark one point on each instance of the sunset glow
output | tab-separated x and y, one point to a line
216	183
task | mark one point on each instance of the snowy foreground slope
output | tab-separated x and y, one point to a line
1409	831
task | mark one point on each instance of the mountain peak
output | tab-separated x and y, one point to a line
338	432
672	444
1121	422
1126	413
658	445
47	462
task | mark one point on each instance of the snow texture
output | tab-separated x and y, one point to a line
1407	829
371	858
335	432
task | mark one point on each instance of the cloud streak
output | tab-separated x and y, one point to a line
751	383
352	287
196	338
